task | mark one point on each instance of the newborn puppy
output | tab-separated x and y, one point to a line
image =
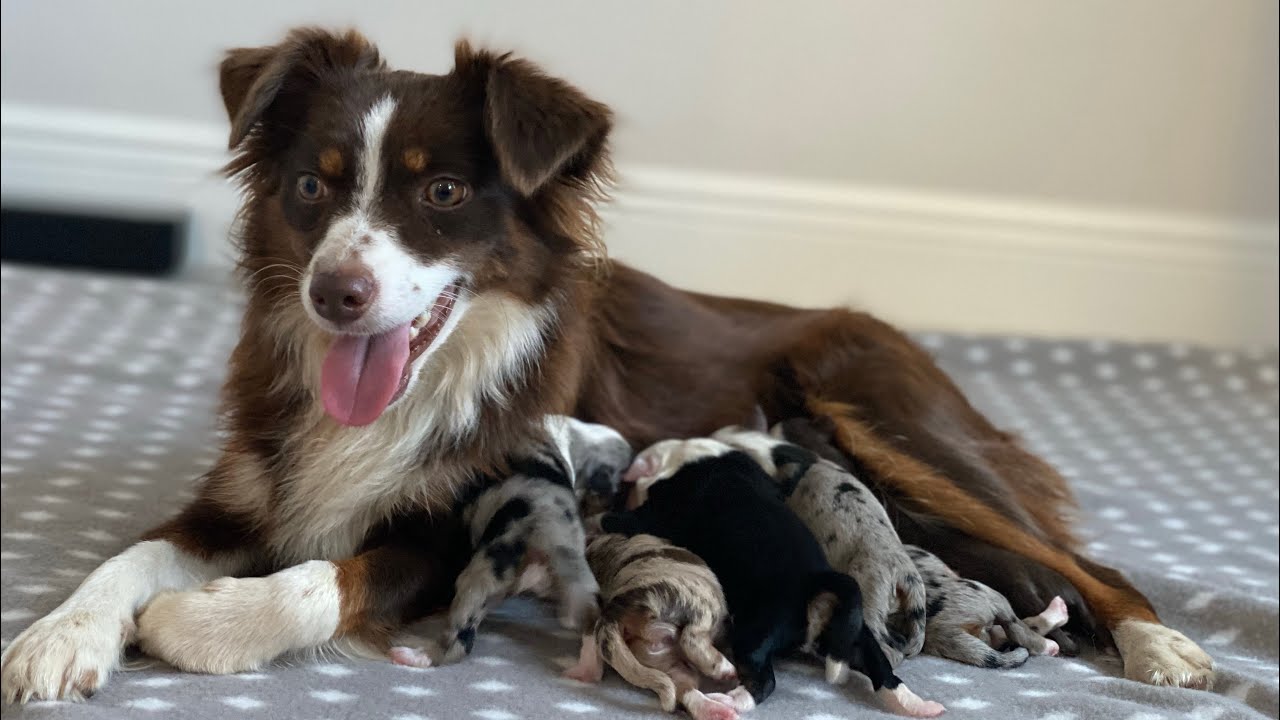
855	533
661	609
707	497
971	623
526	532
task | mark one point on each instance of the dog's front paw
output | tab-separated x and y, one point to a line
205	630
238	624
66	655
1157	655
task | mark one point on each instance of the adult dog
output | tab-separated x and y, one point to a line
425	281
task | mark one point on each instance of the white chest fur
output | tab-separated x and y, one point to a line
346	479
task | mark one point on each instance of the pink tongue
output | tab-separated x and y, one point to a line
362	373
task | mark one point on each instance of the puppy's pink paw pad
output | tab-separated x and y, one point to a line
582	674
410	657
714	710
927	709
1051	648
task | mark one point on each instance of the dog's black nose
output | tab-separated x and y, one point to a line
343	295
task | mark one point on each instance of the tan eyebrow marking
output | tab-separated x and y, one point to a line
415	159
331	162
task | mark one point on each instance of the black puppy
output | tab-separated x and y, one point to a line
781	592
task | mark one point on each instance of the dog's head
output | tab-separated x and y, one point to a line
385	204
664	459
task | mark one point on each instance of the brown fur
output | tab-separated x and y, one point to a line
626	349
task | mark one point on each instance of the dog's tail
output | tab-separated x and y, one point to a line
614	650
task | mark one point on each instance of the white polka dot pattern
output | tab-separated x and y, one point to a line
107	398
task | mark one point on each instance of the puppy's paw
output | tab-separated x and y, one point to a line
1050	648
66	655
716	706
902	701
741	699
584	673
410	657
1158	655
837	672
578	606
1056	614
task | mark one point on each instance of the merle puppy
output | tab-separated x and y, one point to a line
854	532
971	623
661	609
705	496
526	532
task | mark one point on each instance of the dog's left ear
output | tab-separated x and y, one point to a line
541	127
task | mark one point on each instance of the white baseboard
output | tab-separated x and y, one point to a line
924	260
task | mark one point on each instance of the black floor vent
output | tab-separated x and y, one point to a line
151	246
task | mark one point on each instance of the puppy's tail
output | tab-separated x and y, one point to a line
614	650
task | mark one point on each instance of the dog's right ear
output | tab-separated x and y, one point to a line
541	127
643	466
266	83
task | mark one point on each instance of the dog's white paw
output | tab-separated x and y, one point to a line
837	672
237	624
903	701
66	655
1158	655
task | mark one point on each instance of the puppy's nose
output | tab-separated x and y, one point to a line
343	295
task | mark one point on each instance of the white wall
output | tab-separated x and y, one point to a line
1087	168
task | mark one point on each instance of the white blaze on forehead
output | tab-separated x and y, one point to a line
373	129
407	288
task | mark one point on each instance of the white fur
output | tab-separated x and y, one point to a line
70	652
1159	655
373	130
663	459
756	444
560	428
238	624
903	701
382	465
406	287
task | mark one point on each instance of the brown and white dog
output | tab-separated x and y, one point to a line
425	281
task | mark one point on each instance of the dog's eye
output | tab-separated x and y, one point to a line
446	192
311	188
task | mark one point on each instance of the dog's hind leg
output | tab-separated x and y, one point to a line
590	666
956	644
480	587
697	644
236	624
867	657
577	584
1053	617
619	657
1152	653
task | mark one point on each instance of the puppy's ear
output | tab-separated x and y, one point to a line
268	83
644	466
758	421
541	128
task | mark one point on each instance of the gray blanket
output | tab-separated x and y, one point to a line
108	399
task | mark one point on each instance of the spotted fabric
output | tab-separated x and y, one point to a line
109	386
